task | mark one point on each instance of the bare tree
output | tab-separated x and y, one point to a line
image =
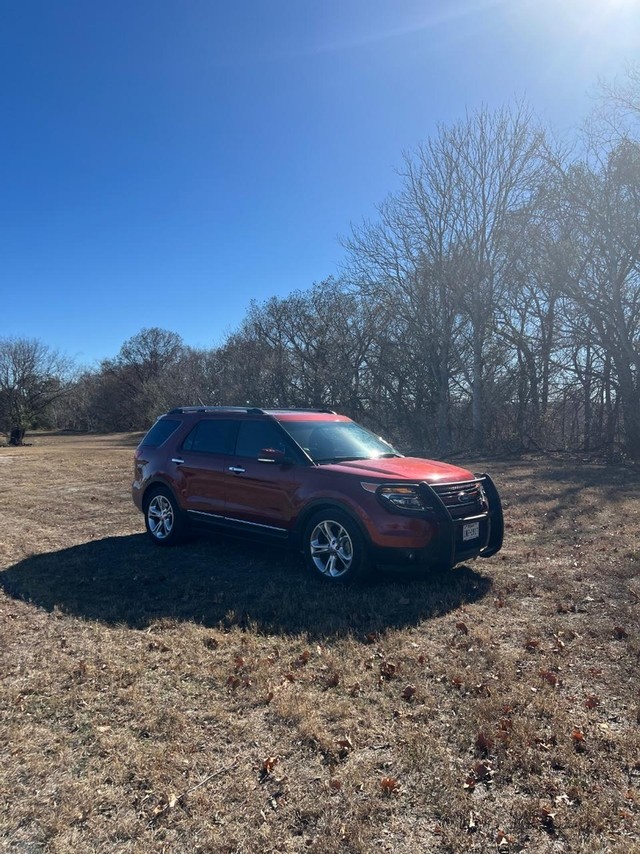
443	252
619	103
406	265
602	208
134	383
314	345
496	166
32	377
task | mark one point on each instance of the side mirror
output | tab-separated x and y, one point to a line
273	455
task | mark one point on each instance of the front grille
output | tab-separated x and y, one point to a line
462	499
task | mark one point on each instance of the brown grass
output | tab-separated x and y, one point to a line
212	698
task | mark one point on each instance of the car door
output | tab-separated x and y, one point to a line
201	468
260	493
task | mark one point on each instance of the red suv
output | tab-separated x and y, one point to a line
316	480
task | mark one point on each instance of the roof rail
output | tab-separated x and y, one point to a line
302	409
179	410
250	410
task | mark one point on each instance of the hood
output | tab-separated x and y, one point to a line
404	468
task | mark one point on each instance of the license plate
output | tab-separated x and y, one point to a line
470	531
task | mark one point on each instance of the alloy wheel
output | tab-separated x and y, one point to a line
160	516
331	548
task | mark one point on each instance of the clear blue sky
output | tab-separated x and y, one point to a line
164	161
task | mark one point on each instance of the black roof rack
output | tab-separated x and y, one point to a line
179	410
299	409
250	410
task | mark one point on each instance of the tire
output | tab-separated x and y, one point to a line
164	520
333	547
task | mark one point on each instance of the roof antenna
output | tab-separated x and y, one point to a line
200	401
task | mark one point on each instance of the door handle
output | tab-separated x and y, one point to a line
176	460
236	469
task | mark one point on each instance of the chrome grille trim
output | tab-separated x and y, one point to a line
465	498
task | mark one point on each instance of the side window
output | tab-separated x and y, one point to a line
160	432
253	436
210	436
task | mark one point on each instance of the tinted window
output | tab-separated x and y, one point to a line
210	437
338	440
160	432
253	436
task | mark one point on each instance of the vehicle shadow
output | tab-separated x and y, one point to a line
220	582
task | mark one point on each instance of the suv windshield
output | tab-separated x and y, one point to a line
334	441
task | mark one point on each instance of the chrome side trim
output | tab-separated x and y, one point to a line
237	521
210	515
255	524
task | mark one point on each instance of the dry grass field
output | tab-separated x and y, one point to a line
212	698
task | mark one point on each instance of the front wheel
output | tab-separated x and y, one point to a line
163	518
334	547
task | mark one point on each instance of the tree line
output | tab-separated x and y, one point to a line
493	303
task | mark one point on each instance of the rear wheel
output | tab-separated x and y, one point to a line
164	520
333	546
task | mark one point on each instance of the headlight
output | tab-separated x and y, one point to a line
402	497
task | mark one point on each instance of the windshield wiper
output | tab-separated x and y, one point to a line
346	459
338	459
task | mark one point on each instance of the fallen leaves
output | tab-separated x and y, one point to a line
389	786
387	670
80	671
409	693
169	802
503	840
546	817
578	739
332	680
156	646
481	772
484	742
164	804
549	677
302	659
268	764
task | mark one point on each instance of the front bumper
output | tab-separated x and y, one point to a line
448	546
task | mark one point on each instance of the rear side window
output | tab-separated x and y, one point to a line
210	437
160	432
254	436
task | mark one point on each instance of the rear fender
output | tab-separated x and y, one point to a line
149	487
